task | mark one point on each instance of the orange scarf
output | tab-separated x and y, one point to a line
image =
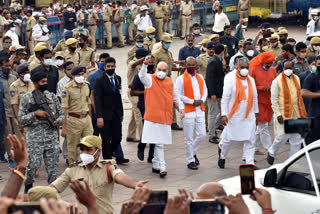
241	95
287	97
188	90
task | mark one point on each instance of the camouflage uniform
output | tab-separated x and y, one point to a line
42	141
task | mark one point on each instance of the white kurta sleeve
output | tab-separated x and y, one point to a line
205	91
255	97
226	96
36	32
145	78
179	89
274	98
137	20
176	98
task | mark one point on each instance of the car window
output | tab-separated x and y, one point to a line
298	177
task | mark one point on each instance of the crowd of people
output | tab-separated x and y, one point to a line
228	86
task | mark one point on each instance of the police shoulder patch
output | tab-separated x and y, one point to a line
12	93
64	93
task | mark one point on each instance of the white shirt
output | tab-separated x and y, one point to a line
37	33
179	90
14	37
143	22
238	128
220	20
63	82
312	27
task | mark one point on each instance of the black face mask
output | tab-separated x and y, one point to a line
318	69
5	71
42	88
81	45
110	72
150	67
73	49
282	40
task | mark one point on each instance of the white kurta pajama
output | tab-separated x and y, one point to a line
155	133
239	128
193	121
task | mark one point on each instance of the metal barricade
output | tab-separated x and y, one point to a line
54	25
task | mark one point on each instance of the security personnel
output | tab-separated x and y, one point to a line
86	54
41	32
159	13
168	17
283	36
92	23
132	27
61	46
216	39
80	15
101	175
41	137
59	62
80	30
76	104
36	59
132	51
70	54
30	24
275	45
203	46
158	45
186	15
18	88
243	8
149	40
314	47
118	20
108	20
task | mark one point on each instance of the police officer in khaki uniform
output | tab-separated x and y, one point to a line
168	17
108	20
92	23
132	27
275	45
186	15
244	7
118	21
149	40
80	30
216	39
30	24
36	59
101	175
61	46
76	104
132	51
86	55
314	47
159	13
70	54
80	15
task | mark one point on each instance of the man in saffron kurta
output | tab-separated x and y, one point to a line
192	92
239	111
287	103
263	73
159	100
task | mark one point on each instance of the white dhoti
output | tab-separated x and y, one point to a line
263	136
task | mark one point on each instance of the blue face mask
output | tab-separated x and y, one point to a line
316	18
265	68
139	44
151	36
313	69
167	46
147	12
81	27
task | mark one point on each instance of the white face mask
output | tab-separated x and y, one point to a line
79	79
204	49
12	28
244	72
87	158
197	32
69	9
316	48
22	61
26	78
90	10
59	62
274	44
288	72
161	74
250	53
47	62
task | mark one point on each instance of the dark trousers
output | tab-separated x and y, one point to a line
315	132
111	135
220	33
142	146
2	149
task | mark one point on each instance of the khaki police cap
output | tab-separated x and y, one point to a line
274	36
150	30
42	19
271	30
205	41
38	192
71	41
166	37
315	41
282	32
241	43
91	141
39	47
16	47
214	36
59	54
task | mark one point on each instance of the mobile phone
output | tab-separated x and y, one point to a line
153	208
25	208
158	197
210	206
247	178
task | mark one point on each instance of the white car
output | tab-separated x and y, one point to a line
290	184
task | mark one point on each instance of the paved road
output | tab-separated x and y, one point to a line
179	176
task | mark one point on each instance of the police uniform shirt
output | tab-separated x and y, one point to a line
61	84
159	11
131	53
186	8
86	56
107	14
80	15
61	46
7	97
31	23
18	88
92	18
244	4
119	14
34	63
98	180
148	43
68	56
76	98
165	56
132	71
76	32
202	63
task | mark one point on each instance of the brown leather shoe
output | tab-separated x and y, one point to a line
134	140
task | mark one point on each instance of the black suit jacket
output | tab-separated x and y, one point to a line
108	104
215	77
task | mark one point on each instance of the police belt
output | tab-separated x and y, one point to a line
141	31
93	25
78	115
106	21
186	15
28	30
159	17
244	9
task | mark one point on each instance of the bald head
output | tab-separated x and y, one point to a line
190	59
162	66
210	190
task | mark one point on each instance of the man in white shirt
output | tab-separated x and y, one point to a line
239	111
220	20
143	21
314	24
12	34
41	33
192	91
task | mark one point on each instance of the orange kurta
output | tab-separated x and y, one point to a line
263	78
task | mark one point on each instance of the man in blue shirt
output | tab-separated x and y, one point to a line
230	41
189	49
70	18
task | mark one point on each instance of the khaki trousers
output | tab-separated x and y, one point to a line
119	33
178	25
11	127
169	26
92	31
107	29
244	14
132	28
136	118
185	25
77	128
30	44
159	25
